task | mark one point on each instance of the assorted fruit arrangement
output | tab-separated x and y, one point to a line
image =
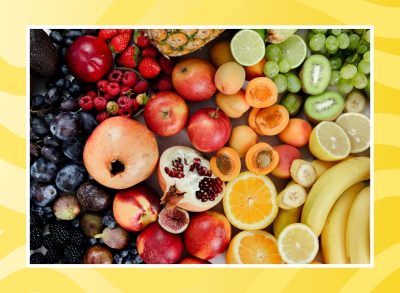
258	139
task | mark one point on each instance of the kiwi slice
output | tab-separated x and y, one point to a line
315	74
324	107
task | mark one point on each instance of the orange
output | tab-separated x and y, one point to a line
250	201
253	247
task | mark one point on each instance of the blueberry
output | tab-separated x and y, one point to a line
74	90
88	122
52	96
124	253
37	101
51	154
92	241
64	70
92	32
70	177
75	223
43	171
117	259
42	194
51	141
69	104
73	149
59	83
56	37
68	41
62	51
138	260
39	126
65	125
109	221
67	84
74	33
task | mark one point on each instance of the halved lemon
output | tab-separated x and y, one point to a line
250	201
357	128
329	142
298	244
253	247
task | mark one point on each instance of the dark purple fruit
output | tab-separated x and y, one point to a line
65	125
70	177
91	224
93	196
42	194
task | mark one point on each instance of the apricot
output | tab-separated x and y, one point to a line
287	154
261	92
220	53
252	120
226	164
242	138
297	132
261	158
234	106
229	78
272	120
255	70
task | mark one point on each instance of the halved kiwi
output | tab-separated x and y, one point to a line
315	74
324	107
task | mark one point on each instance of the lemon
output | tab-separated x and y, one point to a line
329	142
294	50
357	128
298	244
247	47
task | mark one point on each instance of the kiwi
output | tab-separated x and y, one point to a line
324	107
43	57
315	74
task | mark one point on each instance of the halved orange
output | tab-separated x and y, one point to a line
250	201
253	247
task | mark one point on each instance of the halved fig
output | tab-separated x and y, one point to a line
173	219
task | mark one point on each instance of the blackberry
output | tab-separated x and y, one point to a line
36	238
36	220
77	238
37	258
71	255
60	231
53	255
50	242
46	213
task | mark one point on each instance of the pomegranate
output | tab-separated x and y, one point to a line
187	180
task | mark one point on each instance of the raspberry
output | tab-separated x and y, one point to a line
91	94
102	116
134	105
112	107
129	79
124	102
86	103
150	52
107	96
125	112
100	103
166	65
141	87
165	83
115	76
113	89
102	85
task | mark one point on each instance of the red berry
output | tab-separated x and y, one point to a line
102	116
91	94
141	39
165	83
120	42
86	103
126	112
115	76
107	34
129	58
113	89
141	87
134	105
129	79
125	31
150	52
107	96
100	103
166	65
124	102
125	90
102	85
149	68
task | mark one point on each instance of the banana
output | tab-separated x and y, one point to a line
357	232
327	189
303	172
292	196
285	218
355	102
321	166
333	236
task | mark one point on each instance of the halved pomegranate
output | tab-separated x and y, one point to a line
187	180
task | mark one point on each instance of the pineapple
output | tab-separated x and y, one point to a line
178	42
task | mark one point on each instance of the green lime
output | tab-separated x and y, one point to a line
248	48
294	50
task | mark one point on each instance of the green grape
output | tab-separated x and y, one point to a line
280	82
322	31
359	81
366	56
273	53
363	67
348	71
323	51
336	32
346	31
359	31
310	35
284	66
293	83
367	36
332	52
345	86
362	48
336	63
343	41
367	89
331	43
354	41
335	76
317	42
271	68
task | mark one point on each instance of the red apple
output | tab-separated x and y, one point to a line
193	79
166	113
89	58
209	129
135	208
208	234
194	260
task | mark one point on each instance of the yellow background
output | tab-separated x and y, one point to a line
384	14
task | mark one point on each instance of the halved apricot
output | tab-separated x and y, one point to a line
226	164
252	120
261	158
272	120
261	92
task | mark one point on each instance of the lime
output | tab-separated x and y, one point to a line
248	48
357	128
294	50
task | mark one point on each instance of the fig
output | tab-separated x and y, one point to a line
116	238
98	254
173	219
91	224
93	197
66	207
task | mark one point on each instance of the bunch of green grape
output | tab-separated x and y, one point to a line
348	53
277	68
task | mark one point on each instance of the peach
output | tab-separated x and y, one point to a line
208	235
220	53
255	70
242	139
229	78
193	260
234	106
297	132
287	154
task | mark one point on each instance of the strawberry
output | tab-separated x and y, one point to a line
149	68
129	58
141	87
166	65
141	40
107	34
125	31
150	52
120	42
165	83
